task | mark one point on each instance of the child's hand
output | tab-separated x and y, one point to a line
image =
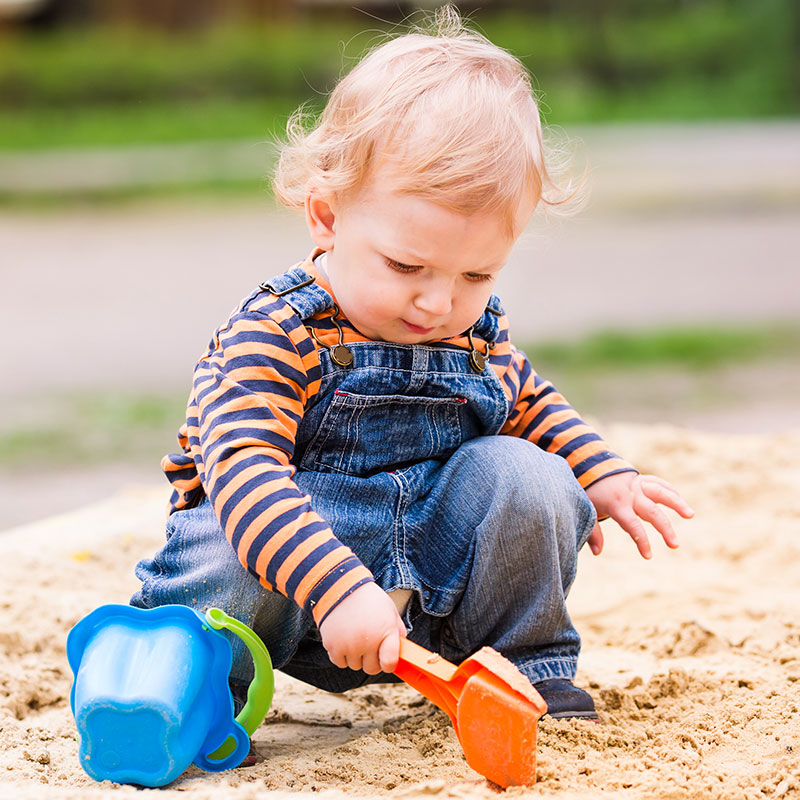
363	631
629	498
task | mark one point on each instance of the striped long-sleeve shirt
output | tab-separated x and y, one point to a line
250	390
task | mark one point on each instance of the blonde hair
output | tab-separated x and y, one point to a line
453	115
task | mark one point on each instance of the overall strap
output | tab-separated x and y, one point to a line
488	326
297	288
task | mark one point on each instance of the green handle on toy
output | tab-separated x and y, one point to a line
262	687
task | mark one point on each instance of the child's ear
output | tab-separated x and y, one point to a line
321	219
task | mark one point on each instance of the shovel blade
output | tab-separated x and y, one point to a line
497	731
493	706
497	716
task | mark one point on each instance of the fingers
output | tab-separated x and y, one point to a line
630	501
650	512
631	524
664	492
388	652
382	658
370	662
337	659
595	540
658	479
363	643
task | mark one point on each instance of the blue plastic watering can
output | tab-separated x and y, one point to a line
151	696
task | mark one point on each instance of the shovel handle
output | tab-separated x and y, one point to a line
431	675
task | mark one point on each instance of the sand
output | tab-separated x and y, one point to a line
693	657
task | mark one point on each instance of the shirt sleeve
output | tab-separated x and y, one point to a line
543	416
249	394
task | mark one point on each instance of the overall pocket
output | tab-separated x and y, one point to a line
364	434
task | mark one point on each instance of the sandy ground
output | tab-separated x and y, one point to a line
693	657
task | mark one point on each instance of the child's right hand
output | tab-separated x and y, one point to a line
363	631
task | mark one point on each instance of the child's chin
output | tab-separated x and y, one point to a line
416	338
402	334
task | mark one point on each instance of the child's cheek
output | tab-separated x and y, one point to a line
382	301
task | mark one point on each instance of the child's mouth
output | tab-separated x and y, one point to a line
416	328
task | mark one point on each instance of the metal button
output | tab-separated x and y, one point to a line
477	360
342	355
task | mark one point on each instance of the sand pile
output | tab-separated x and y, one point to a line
693	657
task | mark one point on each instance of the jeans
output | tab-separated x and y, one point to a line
487	541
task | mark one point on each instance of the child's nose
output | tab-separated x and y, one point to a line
435	299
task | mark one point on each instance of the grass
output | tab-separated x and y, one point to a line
89	429
688	348
684	376
608	374
84	87
117	86
569	100
125	124
218	189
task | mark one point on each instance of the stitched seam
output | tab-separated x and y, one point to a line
398	528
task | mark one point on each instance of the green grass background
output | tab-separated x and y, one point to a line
658	60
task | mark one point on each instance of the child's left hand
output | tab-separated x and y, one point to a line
628	498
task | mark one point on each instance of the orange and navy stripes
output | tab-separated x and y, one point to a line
542	415
247	401
250	389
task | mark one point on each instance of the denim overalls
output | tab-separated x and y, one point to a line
400	455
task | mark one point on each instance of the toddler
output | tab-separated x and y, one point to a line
366	455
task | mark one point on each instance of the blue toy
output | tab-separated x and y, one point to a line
151	693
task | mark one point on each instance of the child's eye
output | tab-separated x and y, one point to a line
479	277
396	265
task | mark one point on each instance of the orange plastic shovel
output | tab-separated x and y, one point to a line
494	708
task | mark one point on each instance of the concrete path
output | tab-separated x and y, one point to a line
684	224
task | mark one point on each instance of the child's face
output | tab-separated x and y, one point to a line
407	270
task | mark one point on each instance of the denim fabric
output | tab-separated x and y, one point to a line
400	454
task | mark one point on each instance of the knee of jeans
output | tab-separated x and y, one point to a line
537	486
515	462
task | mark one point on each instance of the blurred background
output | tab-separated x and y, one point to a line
136	142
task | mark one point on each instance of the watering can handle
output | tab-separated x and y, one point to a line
262	687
